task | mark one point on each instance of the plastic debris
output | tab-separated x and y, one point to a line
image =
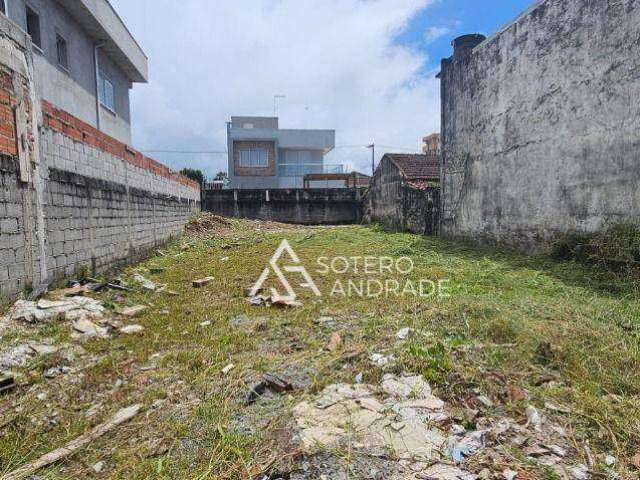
228	368
403	333
380	360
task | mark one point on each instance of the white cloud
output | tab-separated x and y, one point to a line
432	34
335	60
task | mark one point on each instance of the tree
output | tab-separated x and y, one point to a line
193	174
221	176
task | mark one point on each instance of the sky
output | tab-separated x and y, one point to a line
365	68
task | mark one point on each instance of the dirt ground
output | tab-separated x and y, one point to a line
512	367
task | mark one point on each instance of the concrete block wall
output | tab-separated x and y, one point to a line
102	211
12	248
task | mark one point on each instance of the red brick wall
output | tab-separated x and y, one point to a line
67	124
268	171
8	144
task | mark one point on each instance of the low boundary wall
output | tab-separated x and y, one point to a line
301	206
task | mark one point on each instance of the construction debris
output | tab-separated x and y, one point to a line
275	301
207	223
119	418
403	419
132	311
132	329
353	414
46	310
228	368
88	328
403	333
145	282
334	342
270	382
202	282
380	360
7	383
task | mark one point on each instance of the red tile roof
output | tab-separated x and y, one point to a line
416	168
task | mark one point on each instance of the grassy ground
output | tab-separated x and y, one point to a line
561	332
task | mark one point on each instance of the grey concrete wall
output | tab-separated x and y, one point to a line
541	125
396	206
74	90
310	207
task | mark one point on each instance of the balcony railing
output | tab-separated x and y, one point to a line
302	169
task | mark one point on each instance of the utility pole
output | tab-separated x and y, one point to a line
373	158
275	103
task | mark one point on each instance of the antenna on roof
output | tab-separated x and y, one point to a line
275	103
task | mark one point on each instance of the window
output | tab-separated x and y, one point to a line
63	55
300	162
107	93
33	27
3	6
254	157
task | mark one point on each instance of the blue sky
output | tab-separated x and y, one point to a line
452	18
362	67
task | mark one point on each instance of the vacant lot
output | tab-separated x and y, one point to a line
509	333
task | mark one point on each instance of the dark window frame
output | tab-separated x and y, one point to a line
62	52
3	7
35	31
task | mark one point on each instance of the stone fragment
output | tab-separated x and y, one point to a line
405	387
88	328
334	342
202	282
131	329
132	311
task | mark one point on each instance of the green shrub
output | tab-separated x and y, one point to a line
616	247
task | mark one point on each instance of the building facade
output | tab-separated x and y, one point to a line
85	59
73	199
261	155
403	193
431	144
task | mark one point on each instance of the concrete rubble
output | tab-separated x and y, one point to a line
402	421
131	329
145	283
71	308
